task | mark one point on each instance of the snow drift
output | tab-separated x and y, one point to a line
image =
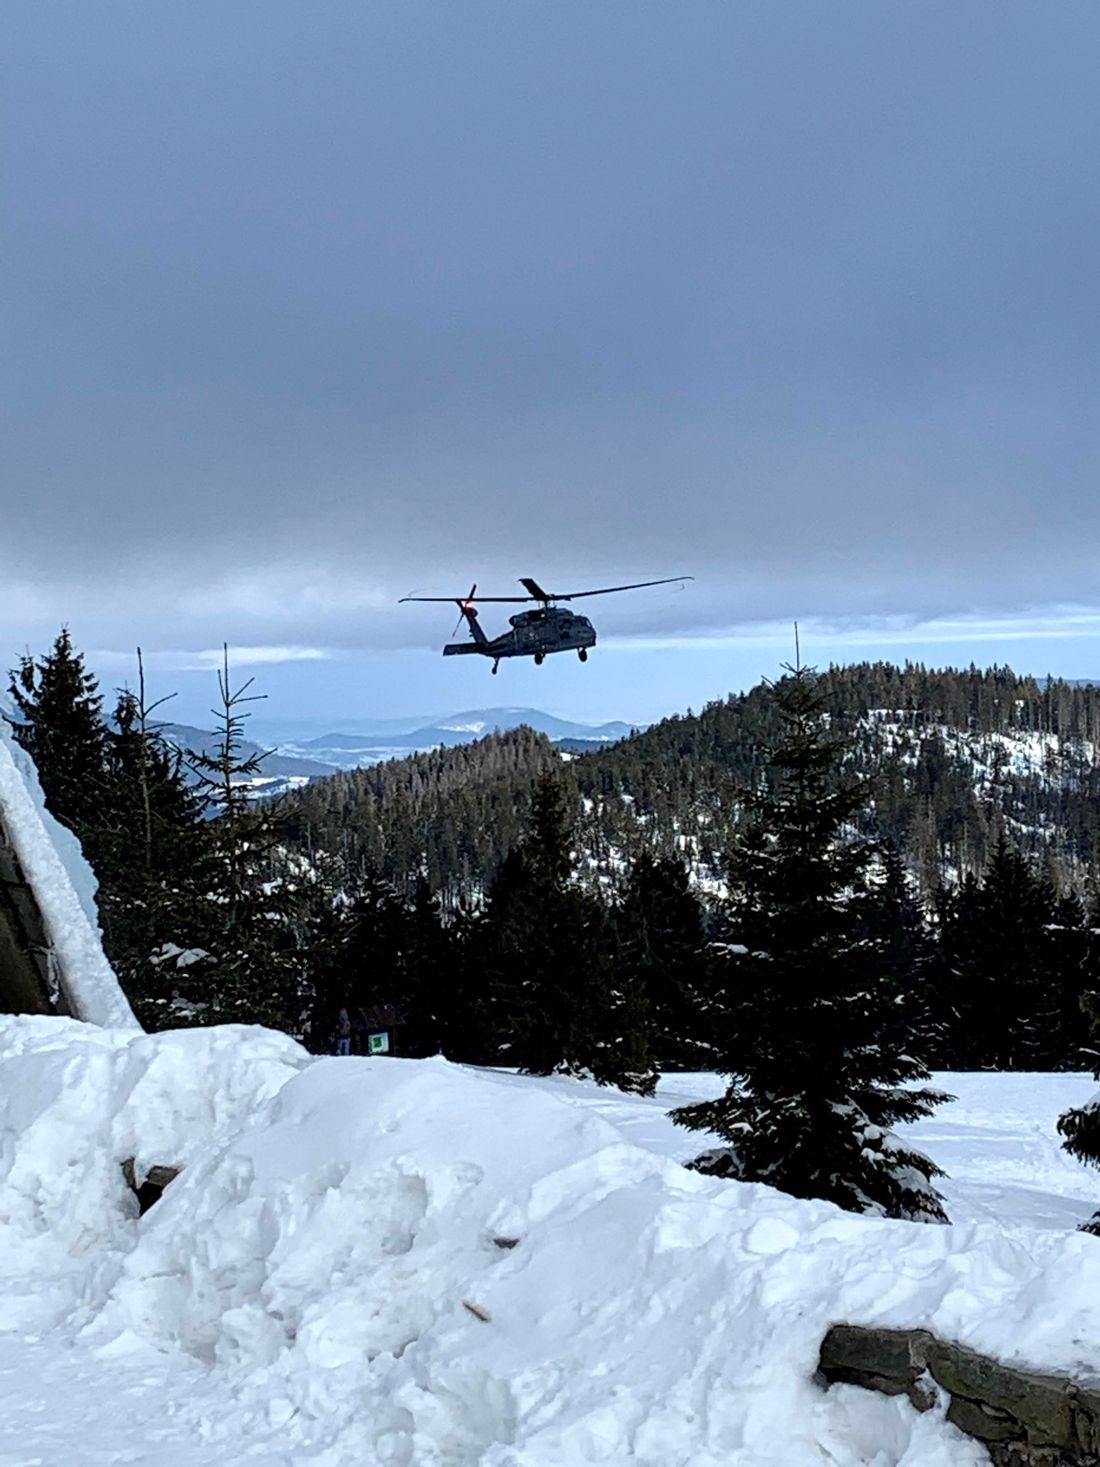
76	1101
407	1262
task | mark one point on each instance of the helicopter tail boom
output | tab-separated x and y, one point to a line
467	610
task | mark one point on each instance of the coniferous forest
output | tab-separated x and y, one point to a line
821	889
951	761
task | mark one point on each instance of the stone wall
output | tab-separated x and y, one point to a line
1025	1418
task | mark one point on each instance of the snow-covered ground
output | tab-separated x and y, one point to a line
405	1262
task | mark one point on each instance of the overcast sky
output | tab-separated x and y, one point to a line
310	305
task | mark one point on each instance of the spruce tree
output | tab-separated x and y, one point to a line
957	927
896	922
659	920
1074	965
154	865
375	947
62	729
806	1033
554	996
319	936
1015	995
997	981
436	997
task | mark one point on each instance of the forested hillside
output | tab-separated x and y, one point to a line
951	758
512	903
449	816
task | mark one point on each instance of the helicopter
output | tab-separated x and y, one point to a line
549	628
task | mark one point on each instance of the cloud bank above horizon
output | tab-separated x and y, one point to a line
310	311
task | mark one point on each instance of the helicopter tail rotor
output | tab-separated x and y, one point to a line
466	610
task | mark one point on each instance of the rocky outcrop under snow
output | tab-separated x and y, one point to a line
1024	1418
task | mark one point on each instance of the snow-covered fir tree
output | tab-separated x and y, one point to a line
806	1018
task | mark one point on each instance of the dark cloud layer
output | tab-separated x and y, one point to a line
311	306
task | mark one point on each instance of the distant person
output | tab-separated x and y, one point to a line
343	1033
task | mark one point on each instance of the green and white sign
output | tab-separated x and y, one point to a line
378	1044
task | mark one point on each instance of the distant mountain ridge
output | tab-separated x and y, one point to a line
353	750
294	763
278	770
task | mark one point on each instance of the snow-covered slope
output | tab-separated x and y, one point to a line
992	756
63	887
407	1262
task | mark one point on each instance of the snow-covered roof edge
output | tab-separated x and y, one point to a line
64	890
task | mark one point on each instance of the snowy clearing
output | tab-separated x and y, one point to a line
406	1262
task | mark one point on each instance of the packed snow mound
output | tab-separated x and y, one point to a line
76	1101
64	889
387	1261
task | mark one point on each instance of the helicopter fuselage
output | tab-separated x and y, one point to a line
534	634
548	628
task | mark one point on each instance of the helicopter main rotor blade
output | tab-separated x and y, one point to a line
469	600
538	594
604	590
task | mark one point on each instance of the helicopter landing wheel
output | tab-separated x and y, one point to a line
539	657
496	668
582	653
